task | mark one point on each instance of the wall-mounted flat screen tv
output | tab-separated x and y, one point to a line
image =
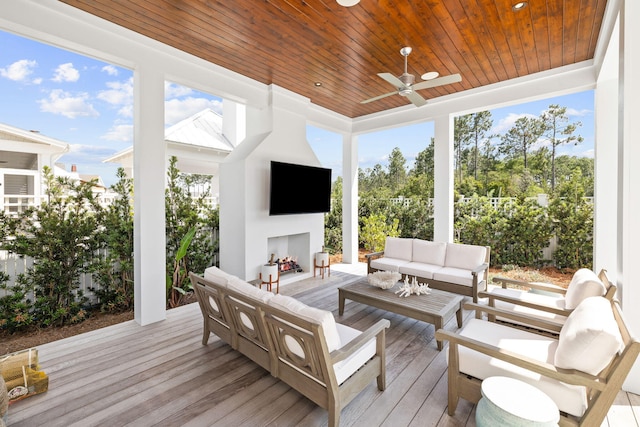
299	189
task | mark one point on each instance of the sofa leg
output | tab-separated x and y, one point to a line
205	334
334	416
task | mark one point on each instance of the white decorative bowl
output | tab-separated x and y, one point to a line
384	279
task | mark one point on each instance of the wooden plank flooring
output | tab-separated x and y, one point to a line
161	375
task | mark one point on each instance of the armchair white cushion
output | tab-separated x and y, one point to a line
584	284
590	337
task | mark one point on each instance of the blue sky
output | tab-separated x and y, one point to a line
89	104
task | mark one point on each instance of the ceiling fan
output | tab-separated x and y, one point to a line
405	83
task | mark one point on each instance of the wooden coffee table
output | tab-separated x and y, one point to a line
436	308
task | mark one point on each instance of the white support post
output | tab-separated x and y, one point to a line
149	179
350	199
443	180
629	202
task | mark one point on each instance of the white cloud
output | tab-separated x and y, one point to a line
66	73
179	109
110	69
118	93
67	105
578	113
172	90
20	71
119	132
507	123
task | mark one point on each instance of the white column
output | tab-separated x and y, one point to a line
443	179
605	241
629	202
149	179
234	121
349	199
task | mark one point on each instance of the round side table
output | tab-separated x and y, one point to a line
510	402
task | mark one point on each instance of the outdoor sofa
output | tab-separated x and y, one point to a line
452	267
327	362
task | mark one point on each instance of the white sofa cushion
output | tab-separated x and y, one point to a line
347	367
399	248
458	276
244	288
419	269
584	284
388	264
569	398
590	337
217	276
323	317
463	256
428	252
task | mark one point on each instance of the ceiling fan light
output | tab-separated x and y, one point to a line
430	75
348	3
519	6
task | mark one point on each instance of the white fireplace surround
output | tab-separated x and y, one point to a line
248	234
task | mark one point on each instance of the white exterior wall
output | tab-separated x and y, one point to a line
350	199
245	224
443	182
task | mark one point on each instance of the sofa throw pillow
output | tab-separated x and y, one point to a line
325	318
397	247
584	283
589	338
429	252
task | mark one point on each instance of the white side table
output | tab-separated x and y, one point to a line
510	402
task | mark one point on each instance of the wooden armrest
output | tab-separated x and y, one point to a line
534	322
374	254
568	376
548	287
357	343
481	267
516	301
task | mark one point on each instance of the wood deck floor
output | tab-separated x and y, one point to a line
161	374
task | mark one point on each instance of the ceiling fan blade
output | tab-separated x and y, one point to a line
453	78
378	97
392	79
417	100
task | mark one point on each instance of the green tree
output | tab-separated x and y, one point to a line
558	130
572	219
481	123
375	230
397	172
462	133
184	212
114	273
518	140
333	220
61	236
424	161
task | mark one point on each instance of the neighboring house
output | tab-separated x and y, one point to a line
23	154
198	143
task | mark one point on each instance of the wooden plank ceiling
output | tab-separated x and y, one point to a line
296	43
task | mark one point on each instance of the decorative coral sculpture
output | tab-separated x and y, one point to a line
413	288
384	279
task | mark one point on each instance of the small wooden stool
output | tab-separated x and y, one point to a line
321	261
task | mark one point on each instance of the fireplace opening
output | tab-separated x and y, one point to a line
289	264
